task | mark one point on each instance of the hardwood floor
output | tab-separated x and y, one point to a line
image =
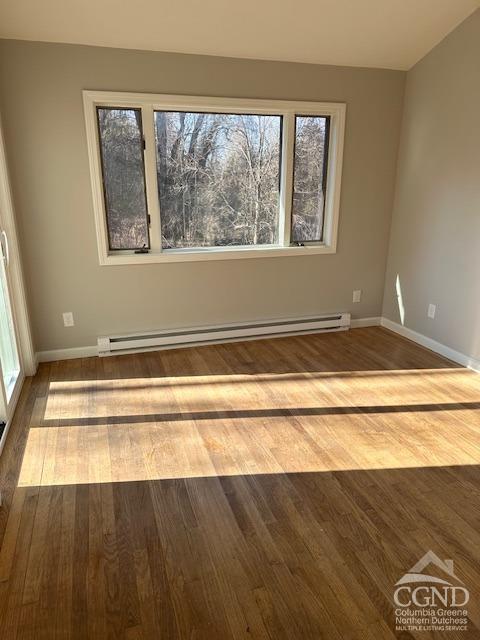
271	489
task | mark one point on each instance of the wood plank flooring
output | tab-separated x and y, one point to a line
274	489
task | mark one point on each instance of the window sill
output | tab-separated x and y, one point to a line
200	255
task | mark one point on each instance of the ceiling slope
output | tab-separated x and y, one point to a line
392	34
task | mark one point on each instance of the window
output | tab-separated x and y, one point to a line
177	178
310	177
121	147
218	178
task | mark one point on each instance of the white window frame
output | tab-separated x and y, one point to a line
148	103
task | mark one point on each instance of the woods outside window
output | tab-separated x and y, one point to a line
179	178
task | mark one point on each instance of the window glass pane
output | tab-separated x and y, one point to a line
310	172
218	178
121	145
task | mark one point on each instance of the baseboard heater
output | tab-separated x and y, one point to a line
175	338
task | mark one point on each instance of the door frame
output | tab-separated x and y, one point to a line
21	319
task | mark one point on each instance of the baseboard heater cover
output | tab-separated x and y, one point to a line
175	338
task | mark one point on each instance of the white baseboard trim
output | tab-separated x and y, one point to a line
357	323
89	351
67	354
424	341
433	345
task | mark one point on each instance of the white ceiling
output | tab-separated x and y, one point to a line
392	34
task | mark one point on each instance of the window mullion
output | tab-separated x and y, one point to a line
286	179
151	179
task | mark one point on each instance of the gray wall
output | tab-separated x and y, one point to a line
41	103
435	239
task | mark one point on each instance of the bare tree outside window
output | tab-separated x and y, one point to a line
218	178
121	146
309	184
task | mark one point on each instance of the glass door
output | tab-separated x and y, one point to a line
10	361
12	301
10	367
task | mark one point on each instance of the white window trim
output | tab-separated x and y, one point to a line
148	103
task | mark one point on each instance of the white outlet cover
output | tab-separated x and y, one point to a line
357	295
431	310
68	319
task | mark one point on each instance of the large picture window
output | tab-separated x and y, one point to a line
218	178
177	178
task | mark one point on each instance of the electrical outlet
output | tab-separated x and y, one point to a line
357	295
432	308
68	319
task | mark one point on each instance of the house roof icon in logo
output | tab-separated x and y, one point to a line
415	574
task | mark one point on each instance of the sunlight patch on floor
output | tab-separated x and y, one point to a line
128	429
155	396
150	451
